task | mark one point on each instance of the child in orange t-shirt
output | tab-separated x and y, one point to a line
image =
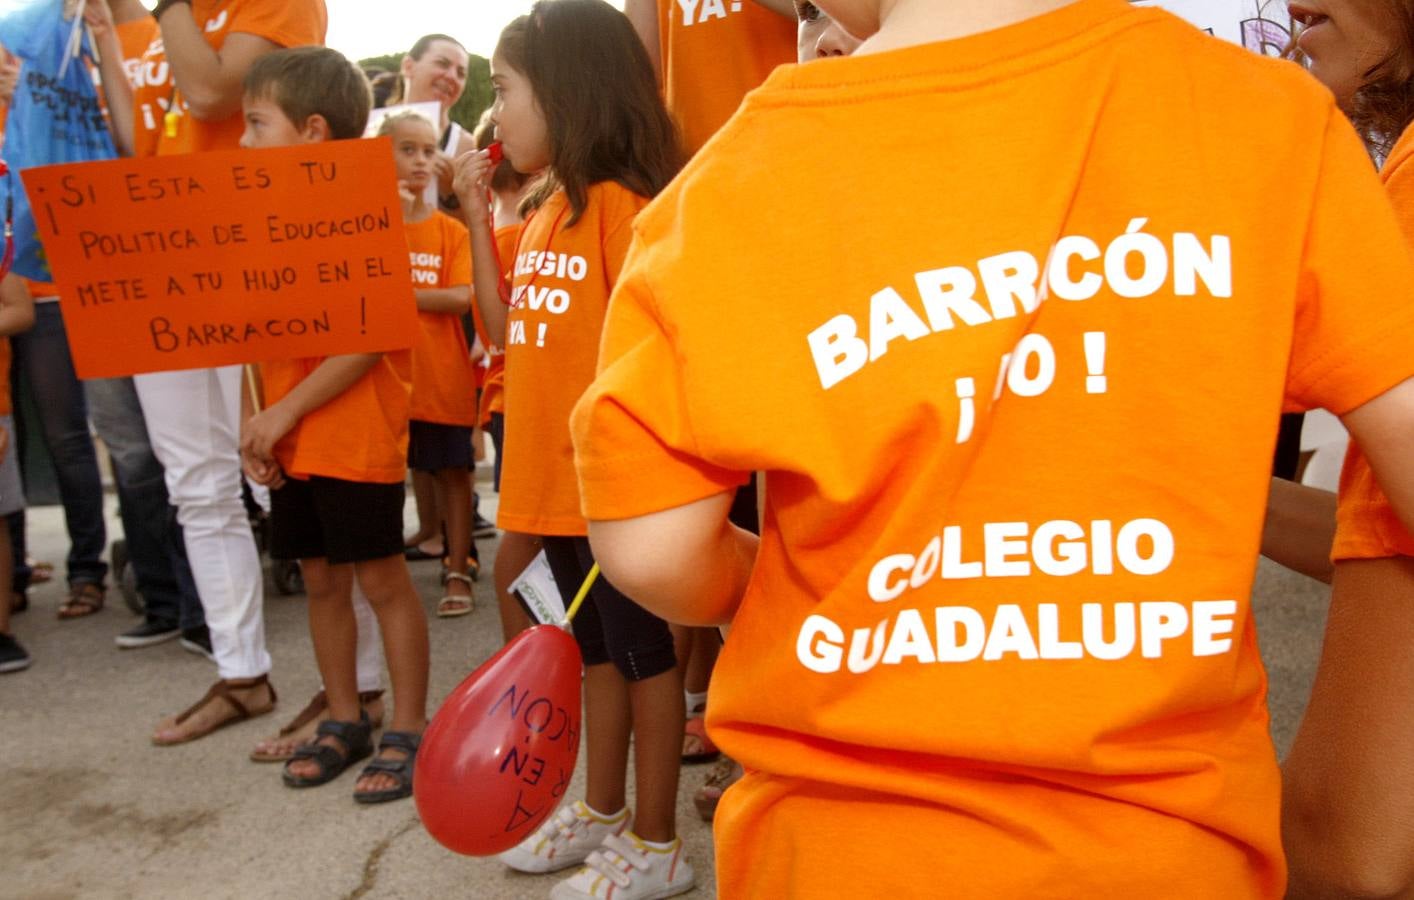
443	407
602	151
985	645
332	445
517	549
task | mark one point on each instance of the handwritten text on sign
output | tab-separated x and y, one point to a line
211	259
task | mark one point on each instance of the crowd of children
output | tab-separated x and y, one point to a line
911	438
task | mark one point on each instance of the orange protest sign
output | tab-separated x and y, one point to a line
182	262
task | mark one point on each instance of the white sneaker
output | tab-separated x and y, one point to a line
566	839
625	868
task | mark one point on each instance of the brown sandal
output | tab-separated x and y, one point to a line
84	600
317	706
221	690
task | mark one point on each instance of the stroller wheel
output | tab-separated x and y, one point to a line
124	578
288	578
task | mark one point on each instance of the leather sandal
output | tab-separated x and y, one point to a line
401	769
221	690
695	731
84	600
317	706
357	741
452	605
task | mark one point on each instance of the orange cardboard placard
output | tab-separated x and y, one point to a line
185	262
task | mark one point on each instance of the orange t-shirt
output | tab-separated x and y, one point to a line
360	435
443	383
146	65
561	279
287	23
713	53
1367	527
493	396
1005	639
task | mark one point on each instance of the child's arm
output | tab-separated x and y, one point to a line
1347	823
473	171
332	377
1300	528
643	557
117	89
209	79
16	306
455	300
1384	429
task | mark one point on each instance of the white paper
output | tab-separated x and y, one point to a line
536	590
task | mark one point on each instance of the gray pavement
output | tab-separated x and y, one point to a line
92	809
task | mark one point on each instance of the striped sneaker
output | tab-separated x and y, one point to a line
566	839
626	868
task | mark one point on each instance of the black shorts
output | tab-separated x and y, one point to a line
609	626
433	446
342	521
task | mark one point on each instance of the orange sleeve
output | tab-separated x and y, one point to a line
1355	313
456	257
1366	524
635	411
288	23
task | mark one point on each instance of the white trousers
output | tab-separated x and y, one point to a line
193	420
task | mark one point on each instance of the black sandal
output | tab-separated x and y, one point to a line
401	769
357	738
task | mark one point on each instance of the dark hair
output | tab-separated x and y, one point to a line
383	84
595	85
1383	106
309	81
418	51
505	177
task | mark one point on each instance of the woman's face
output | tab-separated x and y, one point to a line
440	75
818	36
1344	39
520	124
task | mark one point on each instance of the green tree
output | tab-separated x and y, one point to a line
474	100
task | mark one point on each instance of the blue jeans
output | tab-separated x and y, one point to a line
155	548
42	356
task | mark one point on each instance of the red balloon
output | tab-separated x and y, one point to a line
497	758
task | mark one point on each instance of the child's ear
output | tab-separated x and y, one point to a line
316	129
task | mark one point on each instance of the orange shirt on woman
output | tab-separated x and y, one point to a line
1367	527
285	23
561	279
443	385
1015	405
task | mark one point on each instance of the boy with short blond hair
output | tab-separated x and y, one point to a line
332	445
1006	654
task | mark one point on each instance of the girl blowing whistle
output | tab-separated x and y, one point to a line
577	102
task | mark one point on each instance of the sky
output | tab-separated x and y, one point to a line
363	28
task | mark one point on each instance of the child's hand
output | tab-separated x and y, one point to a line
471	180
407	196
259	434
268	474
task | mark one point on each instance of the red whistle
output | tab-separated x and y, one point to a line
493	153
5	169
